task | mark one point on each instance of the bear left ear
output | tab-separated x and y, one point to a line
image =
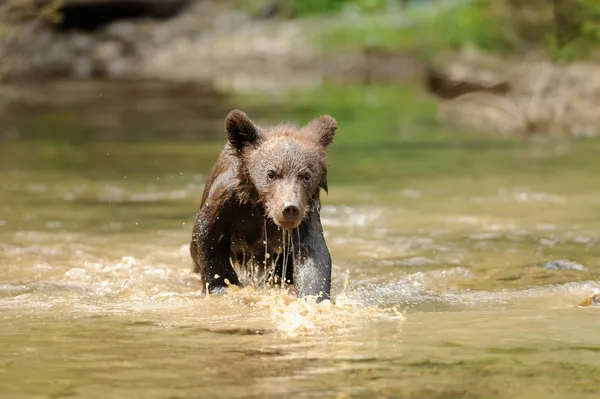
241	131
324	127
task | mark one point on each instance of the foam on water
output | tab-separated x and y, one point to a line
174	297
393	269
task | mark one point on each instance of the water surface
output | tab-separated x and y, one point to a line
437	241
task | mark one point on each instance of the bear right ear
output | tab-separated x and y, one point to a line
241	131
324	128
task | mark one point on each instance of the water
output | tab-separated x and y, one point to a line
436	240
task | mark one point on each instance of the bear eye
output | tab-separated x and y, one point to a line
271	174
306	176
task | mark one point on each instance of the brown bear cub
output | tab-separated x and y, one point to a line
259	218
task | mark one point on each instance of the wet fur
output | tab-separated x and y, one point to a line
237	209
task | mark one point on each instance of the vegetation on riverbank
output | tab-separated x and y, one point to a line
291	44
560	32
564	28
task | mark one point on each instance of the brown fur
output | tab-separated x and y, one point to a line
266	180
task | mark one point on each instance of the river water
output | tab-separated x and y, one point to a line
437	242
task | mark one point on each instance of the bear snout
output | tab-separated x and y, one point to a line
291	210
289	215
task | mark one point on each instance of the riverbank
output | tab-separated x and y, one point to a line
238	50
206	42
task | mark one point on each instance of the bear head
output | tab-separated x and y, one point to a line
285	165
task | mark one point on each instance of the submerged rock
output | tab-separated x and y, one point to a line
563	264
593	300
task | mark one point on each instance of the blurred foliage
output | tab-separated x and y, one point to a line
581	35
428	25
591	22
302	8
481	23
310	8
369	113
12	11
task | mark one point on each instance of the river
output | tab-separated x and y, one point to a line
437	242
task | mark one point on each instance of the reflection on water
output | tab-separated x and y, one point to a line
439	286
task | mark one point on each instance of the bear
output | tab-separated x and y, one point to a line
259	218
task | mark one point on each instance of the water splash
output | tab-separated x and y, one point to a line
293	316
286	238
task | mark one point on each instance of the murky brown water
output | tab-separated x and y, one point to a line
439	245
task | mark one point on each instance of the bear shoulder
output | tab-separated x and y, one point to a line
223	184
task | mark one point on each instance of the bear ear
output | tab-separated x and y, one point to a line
324	186
324	128
241	131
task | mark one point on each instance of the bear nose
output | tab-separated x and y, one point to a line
291	209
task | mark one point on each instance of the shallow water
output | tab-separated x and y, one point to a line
437	243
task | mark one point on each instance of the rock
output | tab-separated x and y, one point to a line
81	42
83	68
563	264
116	68
209	41
120	30
544	98
107	51
593	300
447	88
